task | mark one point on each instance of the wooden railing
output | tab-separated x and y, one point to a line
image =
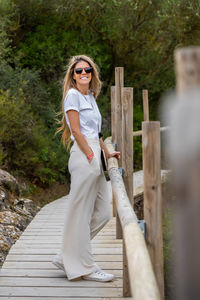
142	280
142	260
139	132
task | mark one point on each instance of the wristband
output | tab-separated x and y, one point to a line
90	155
100	134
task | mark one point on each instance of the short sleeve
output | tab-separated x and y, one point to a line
71	102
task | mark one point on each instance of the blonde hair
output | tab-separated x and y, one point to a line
69	82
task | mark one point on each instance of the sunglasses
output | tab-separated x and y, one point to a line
80	70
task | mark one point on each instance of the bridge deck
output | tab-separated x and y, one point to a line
28	274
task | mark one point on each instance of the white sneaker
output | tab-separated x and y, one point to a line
99	275
58	263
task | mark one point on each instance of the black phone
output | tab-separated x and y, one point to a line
103	160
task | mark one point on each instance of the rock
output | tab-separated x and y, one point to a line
12	218
12	225
9	182
11	232
30	206
5	243
15	213
4	203
8	236
26	206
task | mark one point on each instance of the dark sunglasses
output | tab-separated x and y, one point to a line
80	70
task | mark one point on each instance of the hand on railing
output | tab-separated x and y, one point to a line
115	154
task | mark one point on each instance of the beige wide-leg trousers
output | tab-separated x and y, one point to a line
88	210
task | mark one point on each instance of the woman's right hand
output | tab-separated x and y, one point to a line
90	159
90	156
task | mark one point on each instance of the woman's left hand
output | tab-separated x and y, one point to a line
114	154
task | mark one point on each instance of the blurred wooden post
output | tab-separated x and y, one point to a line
187	68
153	198
119	83
145	104
113	133
187	173
127	165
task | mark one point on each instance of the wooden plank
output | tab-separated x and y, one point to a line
48	228
54	292
61	298
59	233
100	241
52	251
55	246
35	235
56	282
153	197
14	272
98	238
48	265
37	257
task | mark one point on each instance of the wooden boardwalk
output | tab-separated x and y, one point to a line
28	274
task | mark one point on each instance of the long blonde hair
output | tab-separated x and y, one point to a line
69	82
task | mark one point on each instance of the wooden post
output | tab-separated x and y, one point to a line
153	198
113	118
186	170
187	66
145	104
119	83
113	133
126	281
127	140
127	165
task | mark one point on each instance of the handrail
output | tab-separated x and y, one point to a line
139	132
142	279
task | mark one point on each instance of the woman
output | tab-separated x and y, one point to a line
89	200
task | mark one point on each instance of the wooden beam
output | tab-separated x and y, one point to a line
145	104
139	132
153	198
113	114
113	132
127	140
119	83
142	279
127	165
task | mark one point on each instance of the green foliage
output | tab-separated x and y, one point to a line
8	25
36	93
26	150
38	37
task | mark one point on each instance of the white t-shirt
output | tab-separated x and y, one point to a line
89	115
